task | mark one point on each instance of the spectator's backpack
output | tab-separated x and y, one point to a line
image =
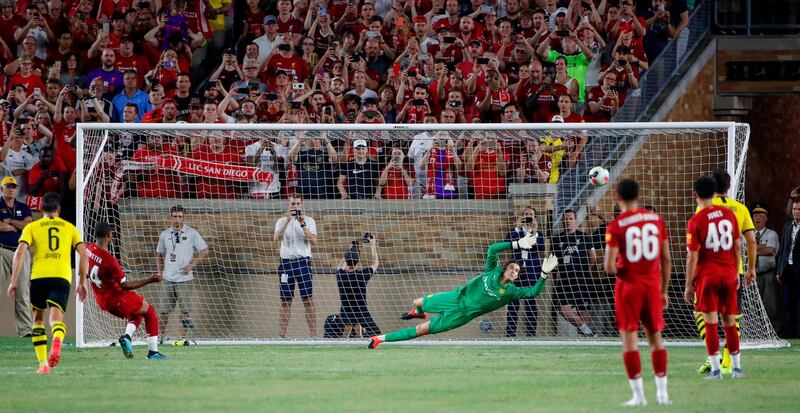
334	327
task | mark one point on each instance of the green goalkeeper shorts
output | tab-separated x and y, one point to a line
448	306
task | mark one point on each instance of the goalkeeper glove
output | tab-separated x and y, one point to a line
527	242
548	266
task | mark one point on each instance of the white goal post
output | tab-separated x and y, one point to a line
455	190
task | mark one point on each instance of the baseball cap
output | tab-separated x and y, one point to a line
557	119
337	78
5	102
441	24
758	208
281	72
420	19
9	180
371	100
356	144
270	19
168	100
561	11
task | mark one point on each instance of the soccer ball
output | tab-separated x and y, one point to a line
485	325
598	176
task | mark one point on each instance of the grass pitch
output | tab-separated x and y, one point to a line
286	378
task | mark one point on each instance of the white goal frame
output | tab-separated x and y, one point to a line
737	192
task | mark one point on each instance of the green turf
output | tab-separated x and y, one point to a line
390	379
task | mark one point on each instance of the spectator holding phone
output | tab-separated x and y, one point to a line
576	59
441	162
47	175
397	179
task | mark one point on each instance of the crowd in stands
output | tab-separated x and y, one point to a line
318	61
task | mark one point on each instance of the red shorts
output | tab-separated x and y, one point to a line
125	305
716	294
636	301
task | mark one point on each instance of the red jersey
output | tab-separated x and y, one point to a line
396	186
639	235
713	232
596	94
295	66
212	187
105	275
157	183
487	182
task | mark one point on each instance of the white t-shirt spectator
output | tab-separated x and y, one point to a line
294	244
178	248
419	145
41	41
21	159
268	163
368	93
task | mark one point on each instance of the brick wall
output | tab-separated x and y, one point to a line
774	147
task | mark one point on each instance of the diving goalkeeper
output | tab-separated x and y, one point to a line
485	293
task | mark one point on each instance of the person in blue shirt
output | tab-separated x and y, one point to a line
130	94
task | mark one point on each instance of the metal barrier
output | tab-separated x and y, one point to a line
741	15
661	72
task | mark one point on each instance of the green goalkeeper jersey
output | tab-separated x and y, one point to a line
485	293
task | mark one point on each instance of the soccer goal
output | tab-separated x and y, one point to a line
446	193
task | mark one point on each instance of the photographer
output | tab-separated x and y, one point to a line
296	233
540	93
352	282
530	267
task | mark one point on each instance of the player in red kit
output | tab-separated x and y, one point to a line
637	251
113	293
712	239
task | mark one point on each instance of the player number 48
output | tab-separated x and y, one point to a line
720	236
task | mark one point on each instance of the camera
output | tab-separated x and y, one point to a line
367	237
284	47
660	7
622	62
412	74
455	104
483	60
373	34
144	4
418	102
487	9
323	11
296	212
449	39
527	220
370	113
295	104
562	33
298	86
271	96
168	64
72	88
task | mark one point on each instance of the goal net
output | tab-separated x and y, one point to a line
433	197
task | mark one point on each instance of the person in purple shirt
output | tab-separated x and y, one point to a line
112	78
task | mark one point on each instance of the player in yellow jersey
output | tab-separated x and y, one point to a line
51	240
722	181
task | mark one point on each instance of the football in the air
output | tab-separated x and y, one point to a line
598	176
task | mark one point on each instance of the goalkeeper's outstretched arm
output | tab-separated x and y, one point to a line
548	266
492	255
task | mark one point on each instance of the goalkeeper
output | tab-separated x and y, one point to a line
483	294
